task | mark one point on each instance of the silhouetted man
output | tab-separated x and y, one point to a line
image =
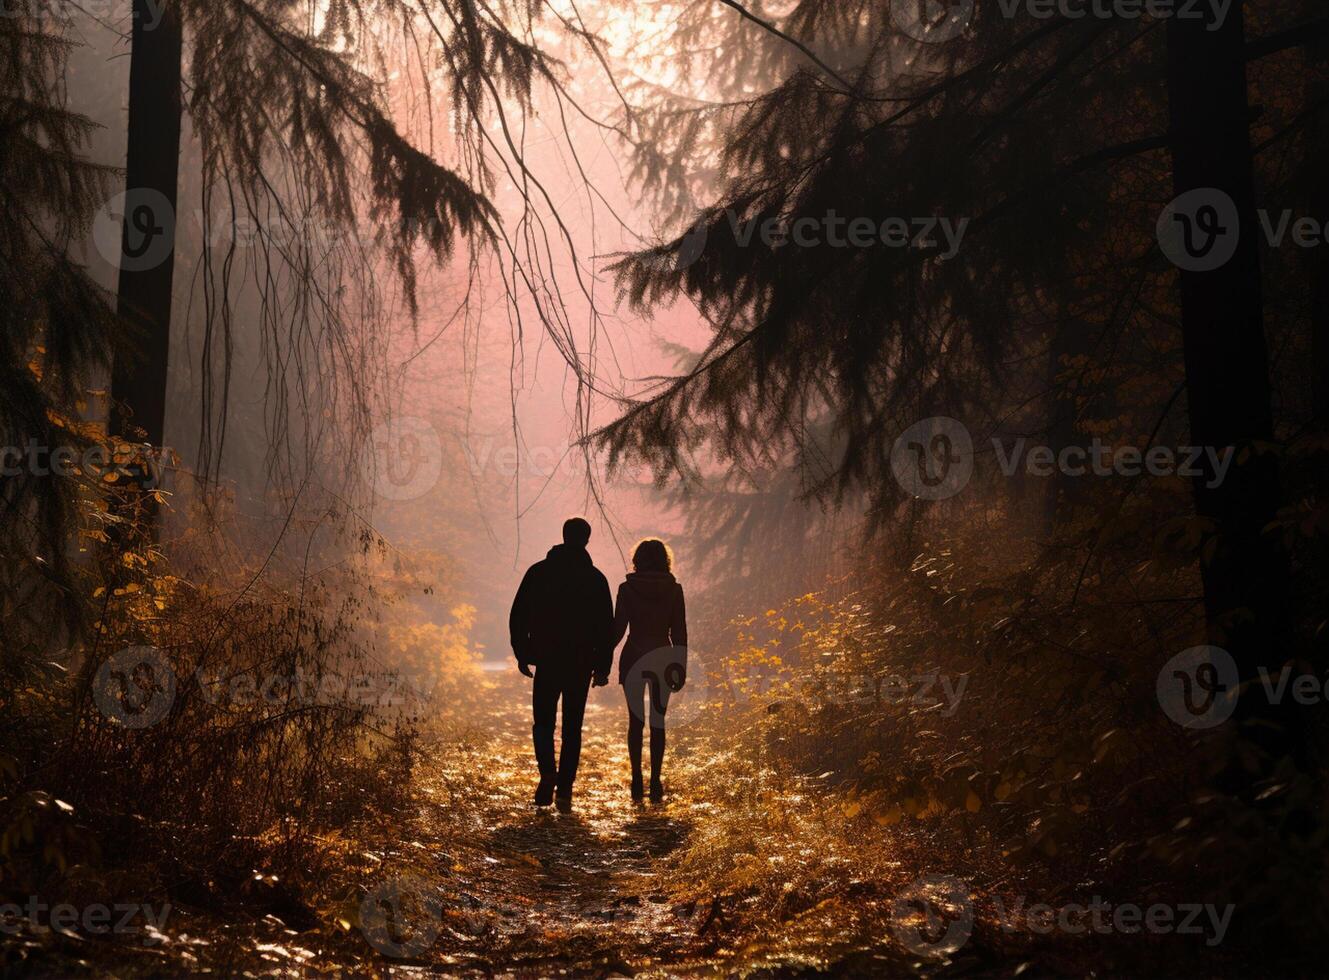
561	623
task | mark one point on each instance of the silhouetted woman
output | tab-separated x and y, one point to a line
654	661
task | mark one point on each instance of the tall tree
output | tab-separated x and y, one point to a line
1227	358
1317	260
147	269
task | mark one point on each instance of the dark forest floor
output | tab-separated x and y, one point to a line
477	881
472	880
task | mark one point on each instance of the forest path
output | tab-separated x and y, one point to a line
741	871
737	872
534	891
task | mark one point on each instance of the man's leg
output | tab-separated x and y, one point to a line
544	704
575	692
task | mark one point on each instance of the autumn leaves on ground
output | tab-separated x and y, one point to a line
847	795
739	868
742	868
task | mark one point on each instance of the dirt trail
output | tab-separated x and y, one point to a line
471	879
535	890
521	891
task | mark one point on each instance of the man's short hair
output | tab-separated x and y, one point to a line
577	530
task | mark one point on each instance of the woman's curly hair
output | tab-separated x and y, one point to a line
652	555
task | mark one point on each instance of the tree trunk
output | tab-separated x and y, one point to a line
1317	259
147	270
1227	373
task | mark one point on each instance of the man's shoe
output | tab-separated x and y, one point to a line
544	793
638	793
564	803
657	791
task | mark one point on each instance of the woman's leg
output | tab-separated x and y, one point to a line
633	690
659	694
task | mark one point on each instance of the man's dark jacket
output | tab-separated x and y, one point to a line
563	615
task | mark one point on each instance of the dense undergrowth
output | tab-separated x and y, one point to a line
215	727
990	714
